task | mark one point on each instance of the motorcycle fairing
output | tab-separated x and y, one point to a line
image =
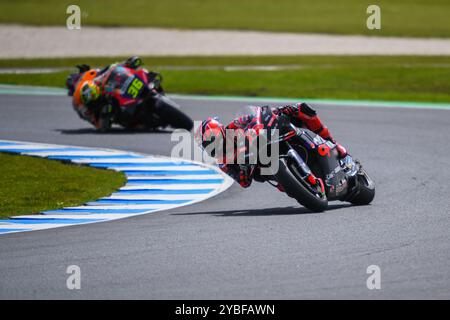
323	159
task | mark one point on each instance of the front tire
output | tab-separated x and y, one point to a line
366	192
297	190
104	120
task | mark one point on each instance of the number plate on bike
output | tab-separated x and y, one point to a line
135	88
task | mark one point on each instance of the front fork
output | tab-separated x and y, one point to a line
305	171
351	168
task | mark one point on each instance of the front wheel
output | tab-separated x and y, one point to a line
296	188
105	119
171	115
366	189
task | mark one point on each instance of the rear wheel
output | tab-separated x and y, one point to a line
171	115
298	189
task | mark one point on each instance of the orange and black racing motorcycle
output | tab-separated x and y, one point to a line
135	98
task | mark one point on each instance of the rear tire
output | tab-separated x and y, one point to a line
171	115
295	189
366	191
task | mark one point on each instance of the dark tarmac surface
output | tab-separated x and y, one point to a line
255	243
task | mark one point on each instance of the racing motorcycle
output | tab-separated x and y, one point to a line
302	152
139	99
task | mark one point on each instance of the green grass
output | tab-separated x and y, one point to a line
416	18
193	61
30	185
334	77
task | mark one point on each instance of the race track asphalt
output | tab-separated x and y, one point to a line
255	243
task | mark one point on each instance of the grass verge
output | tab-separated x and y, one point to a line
30	185
405	78
414	18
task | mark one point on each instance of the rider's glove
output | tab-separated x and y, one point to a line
288	110
239	173
106	109
341	150
245	176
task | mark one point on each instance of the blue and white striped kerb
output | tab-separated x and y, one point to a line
154	183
